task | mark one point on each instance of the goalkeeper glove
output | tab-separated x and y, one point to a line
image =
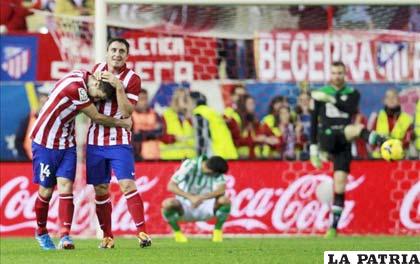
314	155
323	97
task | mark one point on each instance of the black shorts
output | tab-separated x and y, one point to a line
338	147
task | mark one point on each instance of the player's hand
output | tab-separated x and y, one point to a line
323	97
111	79
196	200
127	123
314	156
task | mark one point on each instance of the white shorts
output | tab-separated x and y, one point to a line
203	212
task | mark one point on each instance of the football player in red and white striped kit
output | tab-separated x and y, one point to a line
54	147
110	148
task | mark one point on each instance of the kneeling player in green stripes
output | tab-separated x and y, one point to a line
199	187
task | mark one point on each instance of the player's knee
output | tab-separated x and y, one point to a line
45	192
170	203
101	189
64	185
223	200
127	186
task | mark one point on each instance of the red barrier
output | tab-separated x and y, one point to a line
268	197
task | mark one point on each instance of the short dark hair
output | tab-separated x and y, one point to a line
217	164
121	40
275	100
199	98
143	91
338	64
108	89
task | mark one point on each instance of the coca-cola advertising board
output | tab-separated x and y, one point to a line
268	197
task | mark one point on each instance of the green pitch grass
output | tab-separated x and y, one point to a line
198	251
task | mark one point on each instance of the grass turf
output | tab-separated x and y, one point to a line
198	251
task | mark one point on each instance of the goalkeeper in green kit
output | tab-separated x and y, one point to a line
331	129
199	187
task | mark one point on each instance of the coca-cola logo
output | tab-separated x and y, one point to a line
293	208
17	207
409	202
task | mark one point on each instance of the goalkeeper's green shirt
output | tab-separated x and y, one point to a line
191	179
328	116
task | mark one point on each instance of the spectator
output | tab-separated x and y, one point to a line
231	115
392	121
273	109
231	111
23	141
283	140
74	7
248	143
147	129
303	116
13	16
359	147
177	142
212	134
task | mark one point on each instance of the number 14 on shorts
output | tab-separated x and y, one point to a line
44	172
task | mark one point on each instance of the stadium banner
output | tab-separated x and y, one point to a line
162	57
286	56
268	197
51	64
375	56
18	57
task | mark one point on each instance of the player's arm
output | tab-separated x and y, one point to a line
124	105
174	188
351	103
218	191
180	176
104	120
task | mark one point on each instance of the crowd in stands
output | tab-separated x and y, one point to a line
188	127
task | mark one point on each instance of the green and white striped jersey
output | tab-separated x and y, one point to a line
191	179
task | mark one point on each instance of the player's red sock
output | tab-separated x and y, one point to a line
41	212
135	207
104	211
65	213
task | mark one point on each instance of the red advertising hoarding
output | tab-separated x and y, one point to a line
268	197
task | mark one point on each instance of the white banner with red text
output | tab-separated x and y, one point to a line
268	197
375	56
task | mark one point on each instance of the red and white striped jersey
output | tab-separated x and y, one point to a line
107	136
54	127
